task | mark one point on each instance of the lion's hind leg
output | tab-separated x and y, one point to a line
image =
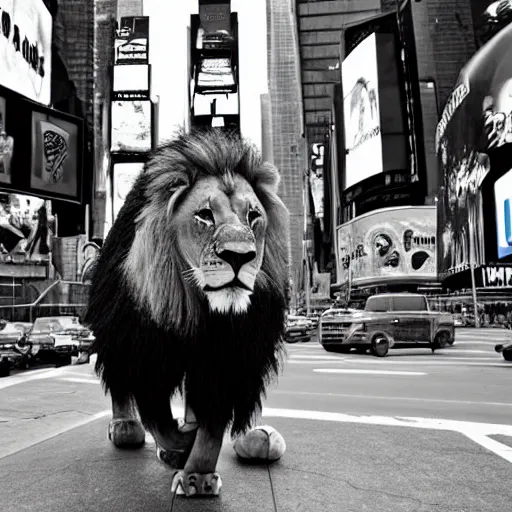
174	439
125	429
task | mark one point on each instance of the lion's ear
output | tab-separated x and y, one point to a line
268	177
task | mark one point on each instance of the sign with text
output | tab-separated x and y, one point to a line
132	40
388	245
497	277
25	48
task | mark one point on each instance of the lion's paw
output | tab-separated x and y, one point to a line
126	433
196	484
261	444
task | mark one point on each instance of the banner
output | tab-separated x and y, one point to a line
124	176
25	48
387	245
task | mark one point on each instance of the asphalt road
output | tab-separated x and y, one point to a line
412	431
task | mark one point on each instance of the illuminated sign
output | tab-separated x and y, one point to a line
388	244
131	126
25	48
363	140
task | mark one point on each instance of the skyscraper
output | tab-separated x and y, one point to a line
286	116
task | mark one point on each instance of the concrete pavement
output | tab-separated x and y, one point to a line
420	433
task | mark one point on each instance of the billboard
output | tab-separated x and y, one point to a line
503	202
131	126
124	176
475	124
391	244
363	140
131	82
25	48
132	40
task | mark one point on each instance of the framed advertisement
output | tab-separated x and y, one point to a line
6	144
56	155
132	126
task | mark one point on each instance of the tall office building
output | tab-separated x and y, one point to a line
286	116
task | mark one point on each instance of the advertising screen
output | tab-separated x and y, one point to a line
25	48
131	78
388	244
131	126
503	201
124	177
363	141
131	43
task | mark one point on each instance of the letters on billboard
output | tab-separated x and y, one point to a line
363	141
25	48
388	244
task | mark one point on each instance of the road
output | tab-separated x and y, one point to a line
417	418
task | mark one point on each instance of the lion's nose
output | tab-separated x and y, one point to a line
237	257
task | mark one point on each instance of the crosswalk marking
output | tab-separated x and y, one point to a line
366	372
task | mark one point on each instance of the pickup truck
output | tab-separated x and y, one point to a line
394	320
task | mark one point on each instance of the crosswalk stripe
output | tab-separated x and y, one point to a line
367	372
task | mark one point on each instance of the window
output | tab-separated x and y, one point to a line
409	303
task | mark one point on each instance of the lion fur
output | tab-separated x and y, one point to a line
154	330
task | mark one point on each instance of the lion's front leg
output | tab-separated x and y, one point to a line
198	477
125	429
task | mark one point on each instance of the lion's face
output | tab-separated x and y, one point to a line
209	230
221	234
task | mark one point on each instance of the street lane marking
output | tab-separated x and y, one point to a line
7	382
366	372
504	451
307	356
55	433
477	432
83	381
395	398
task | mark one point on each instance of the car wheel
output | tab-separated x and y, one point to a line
292	339
63	361
507	355
441	340
380	346
5	368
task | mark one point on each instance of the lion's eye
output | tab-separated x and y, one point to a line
205	215
252	216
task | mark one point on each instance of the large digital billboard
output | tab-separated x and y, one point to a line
388	245
363	142
124	176
25	48
131	126
503	202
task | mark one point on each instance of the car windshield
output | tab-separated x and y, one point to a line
409	303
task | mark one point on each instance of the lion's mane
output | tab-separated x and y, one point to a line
154	330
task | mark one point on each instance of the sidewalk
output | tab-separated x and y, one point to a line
328	467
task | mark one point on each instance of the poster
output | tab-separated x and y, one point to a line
124	176
25	48
388	244
54	163
6	145
131	42
363	141
131	126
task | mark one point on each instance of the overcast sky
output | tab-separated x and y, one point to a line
168	56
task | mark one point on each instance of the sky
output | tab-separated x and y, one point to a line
168	48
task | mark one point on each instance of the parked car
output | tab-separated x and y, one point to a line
13	351
298	328
58	338
398	320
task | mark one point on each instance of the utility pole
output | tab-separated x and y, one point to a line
473	285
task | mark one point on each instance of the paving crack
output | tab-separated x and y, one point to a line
364	489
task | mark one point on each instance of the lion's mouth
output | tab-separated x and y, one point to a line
235	283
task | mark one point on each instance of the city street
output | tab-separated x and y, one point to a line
412	431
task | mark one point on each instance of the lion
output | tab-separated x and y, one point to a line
189	295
